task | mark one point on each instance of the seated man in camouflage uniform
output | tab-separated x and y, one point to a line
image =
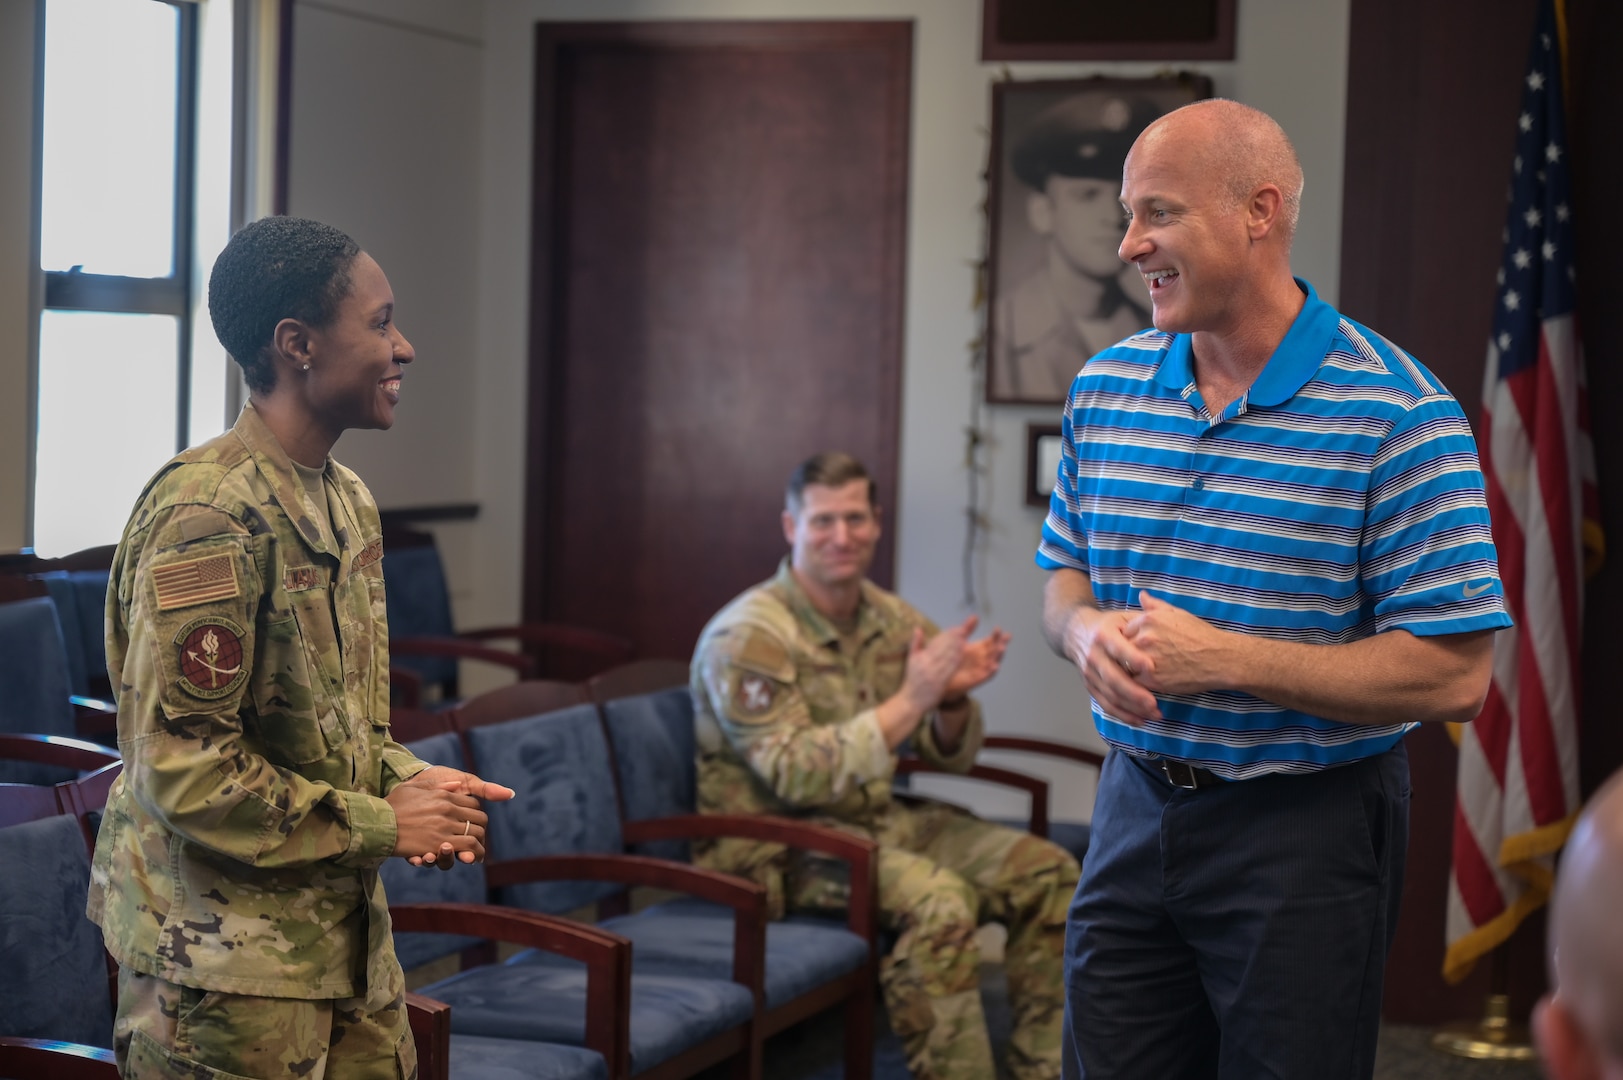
805	687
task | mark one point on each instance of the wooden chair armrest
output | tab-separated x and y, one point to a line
56	750
560	635
607	958
862	855
1034	786
405	687
747	899
462	650
1046	747
89	793
431	1031
744	897
56	1059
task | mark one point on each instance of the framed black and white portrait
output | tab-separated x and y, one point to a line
1059	291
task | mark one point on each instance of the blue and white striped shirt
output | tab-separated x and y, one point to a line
1340	497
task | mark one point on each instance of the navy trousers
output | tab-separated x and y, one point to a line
1236	931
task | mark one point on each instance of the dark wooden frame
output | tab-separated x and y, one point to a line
549	208
1035	434
1176	89
1219	47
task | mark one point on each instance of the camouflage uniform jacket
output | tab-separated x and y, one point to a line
248	648
786	722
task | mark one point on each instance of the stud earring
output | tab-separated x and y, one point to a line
305	368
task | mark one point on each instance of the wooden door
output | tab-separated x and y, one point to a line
719	232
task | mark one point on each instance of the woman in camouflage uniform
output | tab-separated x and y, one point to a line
235	876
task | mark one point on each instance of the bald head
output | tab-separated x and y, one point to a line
1244	148
1586	934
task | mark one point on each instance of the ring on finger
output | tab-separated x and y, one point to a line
467	827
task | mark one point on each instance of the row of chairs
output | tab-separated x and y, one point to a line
604	772
613	760
618	750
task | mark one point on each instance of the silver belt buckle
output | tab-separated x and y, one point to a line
1180	774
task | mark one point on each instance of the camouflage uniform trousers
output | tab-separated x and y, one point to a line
167	1031
942	873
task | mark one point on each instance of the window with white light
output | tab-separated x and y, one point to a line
135	184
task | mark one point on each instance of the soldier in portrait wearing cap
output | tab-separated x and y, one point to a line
1082	297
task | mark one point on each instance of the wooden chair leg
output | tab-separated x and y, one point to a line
747	1064
859	1033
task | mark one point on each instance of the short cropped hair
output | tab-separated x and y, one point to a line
831	468
273	269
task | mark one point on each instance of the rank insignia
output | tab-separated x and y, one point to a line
209	654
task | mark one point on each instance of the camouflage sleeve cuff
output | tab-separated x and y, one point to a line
372	829
868	756
969	745
399	765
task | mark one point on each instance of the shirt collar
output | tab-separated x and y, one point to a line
277	469
1293	363
818	626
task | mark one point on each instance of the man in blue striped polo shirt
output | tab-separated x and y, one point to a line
1270	558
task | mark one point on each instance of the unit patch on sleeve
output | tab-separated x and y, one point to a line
195	581
754	695
210	657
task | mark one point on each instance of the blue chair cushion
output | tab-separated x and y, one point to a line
654	750
695	937
543	998
404	883
34	683
55	984
558	764
475	1057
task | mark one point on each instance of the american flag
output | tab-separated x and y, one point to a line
1517	792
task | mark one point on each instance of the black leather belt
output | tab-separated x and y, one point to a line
1181	774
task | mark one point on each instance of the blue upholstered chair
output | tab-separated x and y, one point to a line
556	848
424	641
81	606
422	900
56	1008
811	963
35	683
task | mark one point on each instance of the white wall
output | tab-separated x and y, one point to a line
1291	62
384	144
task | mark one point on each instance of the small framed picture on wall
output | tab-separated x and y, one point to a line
1043	449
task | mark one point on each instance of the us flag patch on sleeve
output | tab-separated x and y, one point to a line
195	581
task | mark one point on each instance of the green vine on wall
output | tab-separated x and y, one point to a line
977	441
